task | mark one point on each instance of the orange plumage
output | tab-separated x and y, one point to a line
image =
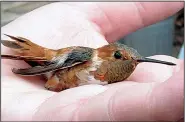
74	66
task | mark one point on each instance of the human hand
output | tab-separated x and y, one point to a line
153	91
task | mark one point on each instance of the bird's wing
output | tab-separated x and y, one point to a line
74	57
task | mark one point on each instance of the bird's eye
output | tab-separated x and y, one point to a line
117	54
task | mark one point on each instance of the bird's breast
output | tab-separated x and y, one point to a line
86	76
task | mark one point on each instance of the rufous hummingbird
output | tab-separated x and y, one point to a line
74	66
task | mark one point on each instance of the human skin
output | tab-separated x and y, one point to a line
153	91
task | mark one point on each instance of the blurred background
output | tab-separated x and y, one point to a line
163	38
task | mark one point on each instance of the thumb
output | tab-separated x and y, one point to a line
128	101
167	98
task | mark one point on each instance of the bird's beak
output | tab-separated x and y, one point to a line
154	61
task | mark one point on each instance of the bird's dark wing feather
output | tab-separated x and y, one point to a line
77	56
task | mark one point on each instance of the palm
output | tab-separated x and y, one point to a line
28	95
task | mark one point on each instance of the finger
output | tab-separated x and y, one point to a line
167	99
121	18
153	72
101	14
142	101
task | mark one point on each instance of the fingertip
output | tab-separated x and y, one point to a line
179	66
166	99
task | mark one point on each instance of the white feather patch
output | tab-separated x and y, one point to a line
85	77
96	62
61	59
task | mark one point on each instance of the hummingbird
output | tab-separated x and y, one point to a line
76	65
